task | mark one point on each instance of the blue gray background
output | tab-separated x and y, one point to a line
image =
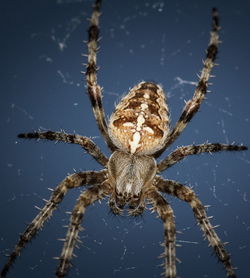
41	87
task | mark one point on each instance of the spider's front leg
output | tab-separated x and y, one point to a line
184	193
86	198
165	212
72	181
86	143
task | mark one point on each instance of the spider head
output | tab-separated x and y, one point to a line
129	176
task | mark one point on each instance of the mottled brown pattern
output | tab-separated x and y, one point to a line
120	121
144	107
158	133
153	109
135	103
149	86
140	93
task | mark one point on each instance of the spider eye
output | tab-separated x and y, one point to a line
119	194
136	197
120	205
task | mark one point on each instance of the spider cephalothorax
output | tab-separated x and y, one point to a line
130	176
137	134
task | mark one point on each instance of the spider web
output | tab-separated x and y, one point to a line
144	40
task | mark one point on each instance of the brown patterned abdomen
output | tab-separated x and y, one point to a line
140	122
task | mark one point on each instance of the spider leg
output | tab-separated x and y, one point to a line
86	198
86	143
71	181
94	90
165	212
184	193
184	151
193	105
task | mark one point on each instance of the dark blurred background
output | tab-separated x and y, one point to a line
41	87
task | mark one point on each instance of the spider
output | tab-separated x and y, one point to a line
137	134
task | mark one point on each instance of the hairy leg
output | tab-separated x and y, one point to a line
184	151
71	181
86	143
184	193
165	212
86	198
94	90
193	105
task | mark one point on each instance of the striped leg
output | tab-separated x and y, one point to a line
94	90
72	181
83	141
184	151
193	105
86	198
186	194
165	212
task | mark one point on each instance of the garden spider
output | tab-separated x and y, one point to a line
137	134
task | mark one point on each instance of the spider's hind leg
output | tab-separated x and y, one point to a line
193	105
94	89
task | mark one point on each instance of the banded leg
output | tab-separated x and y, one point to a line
86	198
72	181
165	212
184	151
86	143
94	90
186	194
193	105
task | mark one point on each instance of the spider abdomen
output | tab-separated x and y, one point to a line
140	122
